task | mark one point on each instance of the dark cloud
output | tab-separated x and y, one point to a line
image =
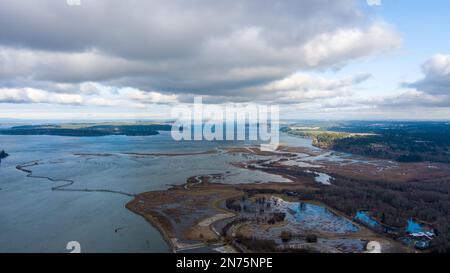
219	49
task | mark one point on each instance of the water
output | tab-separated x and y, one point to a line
36	219
323	178
319	218
414	227
366	219
307	218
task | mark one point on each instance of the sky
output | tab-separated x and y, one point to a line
316	59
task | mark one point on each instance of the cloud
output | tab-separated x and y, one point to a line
301	88
347	44
149	97
437	76
373	2
30	95
300	82
103	96
432	91
411	98
216	49
430	95
63	67
298	88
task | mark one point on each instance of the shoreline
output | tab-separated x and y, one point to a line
200	233
177	201
154	223
176	243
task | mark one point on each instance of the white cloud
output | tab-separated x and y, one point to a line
432	91
373	2
347	44
148	97
303	82
438	65
429	94
410	98
31	95
437	76
301	88
104	96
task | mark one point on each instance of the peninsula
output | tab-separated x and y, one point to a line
342	214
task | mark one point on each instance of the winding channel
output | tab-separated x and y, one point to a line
67	182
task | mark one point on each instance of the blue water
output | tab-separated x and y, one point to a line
414	227
319	218
367	220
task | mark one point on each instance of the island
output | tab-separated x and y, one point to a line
89	129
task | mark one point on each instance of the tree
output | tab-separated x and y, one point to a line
3	154
311	238
286	236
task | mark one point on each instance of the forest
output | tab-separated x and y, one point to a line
399	141
88	130
392	204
